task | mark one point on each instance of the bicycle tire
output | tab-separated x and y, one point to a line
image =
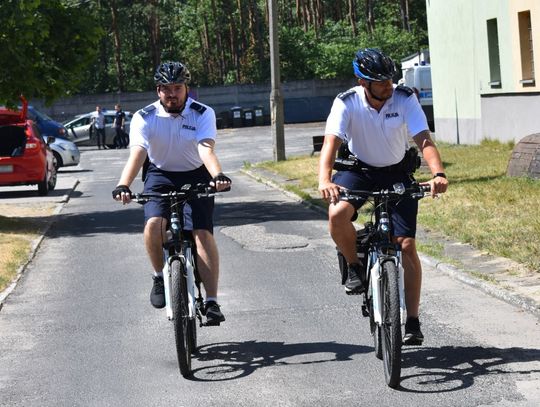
181	317
391	324
192	325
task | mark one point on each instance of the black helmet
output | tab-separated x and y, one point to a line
372	65
171	72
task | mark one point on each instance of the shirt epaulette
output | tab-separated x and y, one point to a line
405	89
197	107
145	110
346	94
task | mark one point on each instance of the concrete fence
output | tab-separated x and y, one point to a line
304	101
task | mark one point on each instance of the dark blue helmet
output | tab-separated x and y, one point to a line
372	65
171	72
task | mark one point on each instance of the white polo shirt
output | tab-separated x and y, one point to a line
99	119
171	142
376	138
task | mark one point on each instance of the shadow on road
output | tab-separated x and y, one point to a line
130	219
245	213
240	359
452	368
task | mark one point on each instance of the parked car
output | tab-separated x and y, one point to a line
46	125
25	156
82	132
65	152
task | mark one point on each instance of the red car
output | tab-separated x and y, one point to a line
25	158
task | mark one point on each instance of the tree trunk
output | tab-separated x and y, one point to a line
255	29
352	17
153	26
370	17
219	44
233	40
117	45
404	5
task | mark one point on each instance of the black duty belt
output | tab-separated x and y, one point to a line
409	164
354	164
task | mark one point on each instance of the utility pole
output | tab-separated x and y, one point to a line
276	99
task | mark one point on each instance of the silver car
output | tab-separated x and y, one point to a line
65	152
83	133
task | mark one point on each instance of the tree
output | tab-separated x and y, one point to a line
43	53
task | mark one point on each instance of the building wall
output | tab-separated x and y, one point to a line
467	108
456	104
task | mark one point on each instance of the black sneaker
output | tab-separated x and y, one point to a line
157	295
214	316
413	334
354	284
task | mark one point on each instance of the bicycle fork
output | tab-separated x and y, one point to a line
375	286
167	283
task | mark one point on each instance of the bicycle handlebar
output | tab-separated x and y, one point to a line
185	193
415	192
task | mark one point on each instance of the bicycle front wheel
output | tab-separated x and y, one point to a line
192	324
180	308
391	324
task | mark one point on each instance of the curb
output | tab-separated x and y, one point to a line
35	246
505	295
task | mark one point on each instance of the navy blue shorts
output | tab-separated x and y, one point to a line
198	213
403	212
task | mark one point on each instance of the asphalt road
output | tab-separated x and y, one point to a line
79	330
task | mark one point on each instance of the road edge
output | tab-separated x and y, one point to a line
4	294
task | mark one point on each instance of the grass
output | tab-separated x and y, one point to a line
483	207
21	226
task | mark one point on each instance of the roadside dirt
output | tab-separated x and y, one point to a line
20	226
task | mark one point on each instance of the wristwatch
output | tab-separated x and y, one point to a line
440	174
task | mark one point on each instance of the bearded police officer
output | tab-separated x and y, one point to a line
174	139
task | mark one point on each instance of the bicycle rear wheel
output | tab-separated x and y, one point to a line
391	324
180	308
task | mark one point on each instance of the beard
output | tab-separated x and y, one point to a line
172	105
381	96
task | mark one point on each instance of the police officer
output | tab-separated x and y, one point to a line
177	136
375	119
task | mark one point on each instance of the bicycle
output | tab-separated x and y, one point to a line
384	299
184	303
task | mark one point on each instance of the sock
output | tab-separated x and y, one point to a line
160	274
208	299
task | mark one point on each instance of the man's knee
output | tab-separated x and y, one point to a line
340	213
155	227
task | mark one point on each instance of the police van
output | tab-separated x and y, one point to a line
418	78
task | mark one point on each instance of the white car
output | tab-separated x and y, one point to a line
82	132
65	152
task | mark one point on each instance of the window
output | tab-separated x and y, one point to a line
493	49
526	48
